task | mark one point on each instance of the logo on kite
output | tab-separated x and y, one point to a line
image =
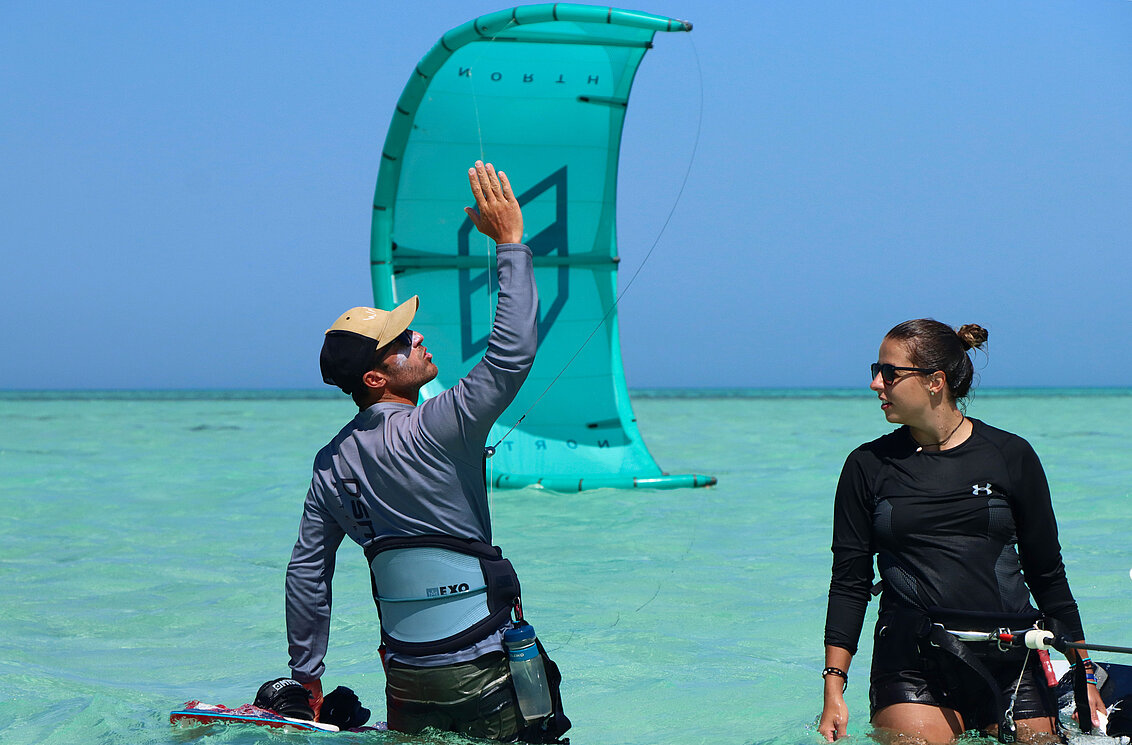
546	198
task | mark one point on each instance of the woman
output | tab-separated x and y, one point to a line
958	514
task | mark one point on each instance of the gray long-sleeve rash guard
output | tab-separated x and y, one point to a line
403	470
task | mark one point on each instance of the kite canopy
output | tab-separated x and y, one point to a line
540	91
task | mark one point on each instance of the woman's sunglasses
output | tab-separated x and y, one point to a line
888	372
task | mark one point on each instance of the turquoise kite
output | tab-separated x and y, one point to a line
541	91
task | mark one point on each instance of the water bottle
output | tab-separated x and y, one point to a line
527	672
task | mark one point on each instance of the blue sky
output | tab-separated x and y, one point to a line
185	188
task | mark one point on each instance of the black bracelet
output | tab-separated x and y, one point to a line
838	672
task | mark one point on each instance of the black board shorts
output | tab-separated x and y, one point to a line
473	698
906	669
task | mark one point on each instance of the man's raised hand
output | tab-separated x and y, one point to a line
496	214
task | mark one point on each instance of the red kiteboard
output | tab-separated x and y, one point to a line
195	713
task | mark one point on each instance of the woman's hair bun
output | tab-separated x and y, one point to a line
972	335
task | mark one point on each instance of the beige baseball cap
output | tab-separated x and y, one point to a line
349	345
383	326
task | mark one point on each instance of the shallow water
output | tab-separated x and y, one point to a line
145	536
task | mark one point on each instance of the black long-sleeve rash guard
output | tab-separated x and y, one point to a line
968	529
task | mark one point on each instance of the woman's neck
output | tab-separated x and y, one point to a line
946	429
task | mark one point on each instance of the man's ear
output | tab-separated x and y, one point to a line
375	380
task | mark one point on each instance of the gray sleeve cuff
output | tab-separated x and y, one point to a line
504	247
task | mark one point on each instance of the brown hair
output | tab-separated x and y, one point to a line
359	392
937	346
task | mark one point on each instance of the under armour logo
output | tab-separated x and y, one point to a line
977	490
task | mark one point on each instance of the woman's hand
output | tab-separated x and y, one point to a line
1097	707
834	714
1097	710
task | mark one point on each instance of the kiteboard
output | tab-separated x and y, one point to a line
1114	683
197	714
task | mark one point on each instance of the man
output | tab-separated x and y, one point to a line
406	482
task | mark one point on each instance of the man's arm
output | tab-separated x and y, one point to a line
461	417
308	590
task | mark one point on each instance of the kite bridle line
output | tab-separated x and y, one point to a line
490	449
488	465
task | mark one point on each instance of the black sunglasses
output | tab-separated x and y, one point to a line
888	372
404	339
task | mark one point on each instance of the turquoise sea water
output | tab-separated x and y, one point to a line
144	537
